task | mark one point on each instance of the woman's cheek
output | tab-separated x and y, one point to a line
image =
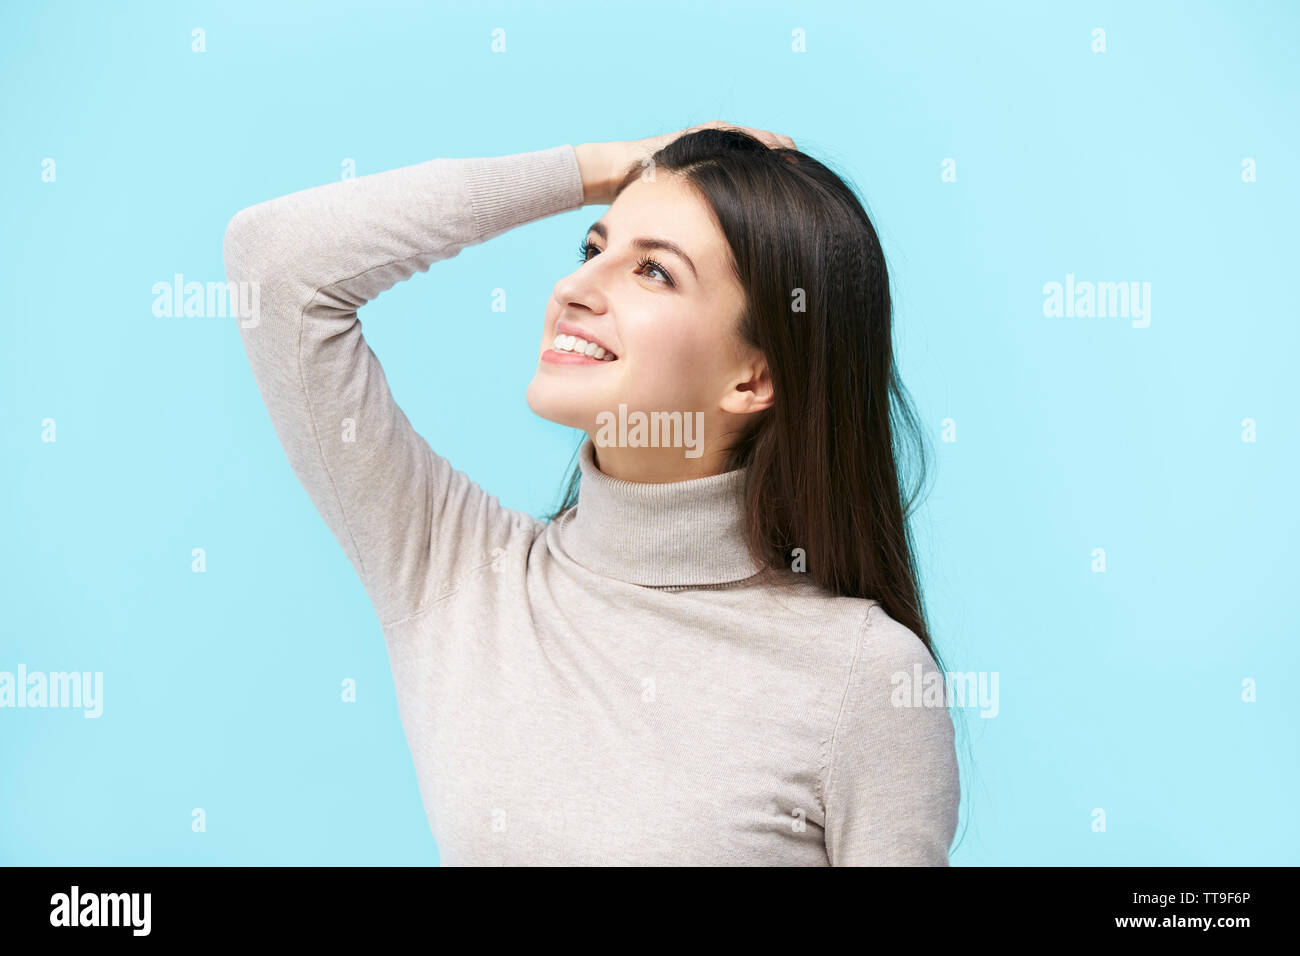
681	377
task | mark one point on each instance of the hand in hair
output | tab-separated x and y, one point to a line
603	164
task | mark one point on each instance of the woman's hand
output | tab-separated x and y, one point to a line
603	164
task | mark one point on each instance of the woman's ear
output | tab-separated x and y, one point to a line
752	391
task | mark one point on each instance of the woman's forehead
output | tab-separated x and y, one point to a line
665	208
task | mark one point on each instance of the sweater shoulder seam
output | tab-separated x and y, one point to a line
532	527
827	767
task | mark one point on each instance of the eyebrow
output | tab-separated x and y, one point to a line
648	244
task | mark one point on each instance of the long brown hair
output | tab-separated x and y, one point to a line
823	462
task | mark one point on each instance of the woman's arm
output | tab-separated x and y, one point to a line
407	520
892	787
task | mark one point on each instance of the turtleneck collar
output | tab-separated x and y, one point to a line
679	533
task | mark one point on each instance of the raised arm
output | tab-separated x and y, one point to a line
407	520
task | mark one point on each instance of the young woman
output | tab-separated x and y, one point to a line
714	652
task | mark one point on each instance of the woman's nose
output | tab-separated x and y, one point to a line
580	288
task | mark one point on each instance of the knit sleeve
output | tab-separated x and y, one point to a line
304	264
892	788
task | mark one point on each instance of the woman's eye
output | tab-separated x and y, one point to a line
649	265
645	266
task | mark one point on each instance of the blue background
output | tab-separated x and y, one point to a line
1118	690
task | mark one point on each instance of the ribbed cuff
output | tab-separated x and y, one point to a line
509	191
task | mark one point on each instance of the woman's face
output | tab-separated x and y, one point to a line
670	322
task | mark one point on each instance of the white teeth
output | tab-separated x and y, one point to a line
580	346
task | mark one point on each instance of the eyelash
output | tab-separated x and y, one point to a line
584	247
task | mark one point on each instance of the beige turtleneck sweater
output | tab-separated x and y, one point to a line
616	687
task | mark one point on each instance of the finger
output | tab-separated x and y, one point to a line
766	137
777	140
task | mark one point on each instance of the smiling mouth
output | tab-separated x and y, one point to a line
577	346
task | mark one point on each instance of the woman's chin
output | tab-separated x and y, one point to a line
546	404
